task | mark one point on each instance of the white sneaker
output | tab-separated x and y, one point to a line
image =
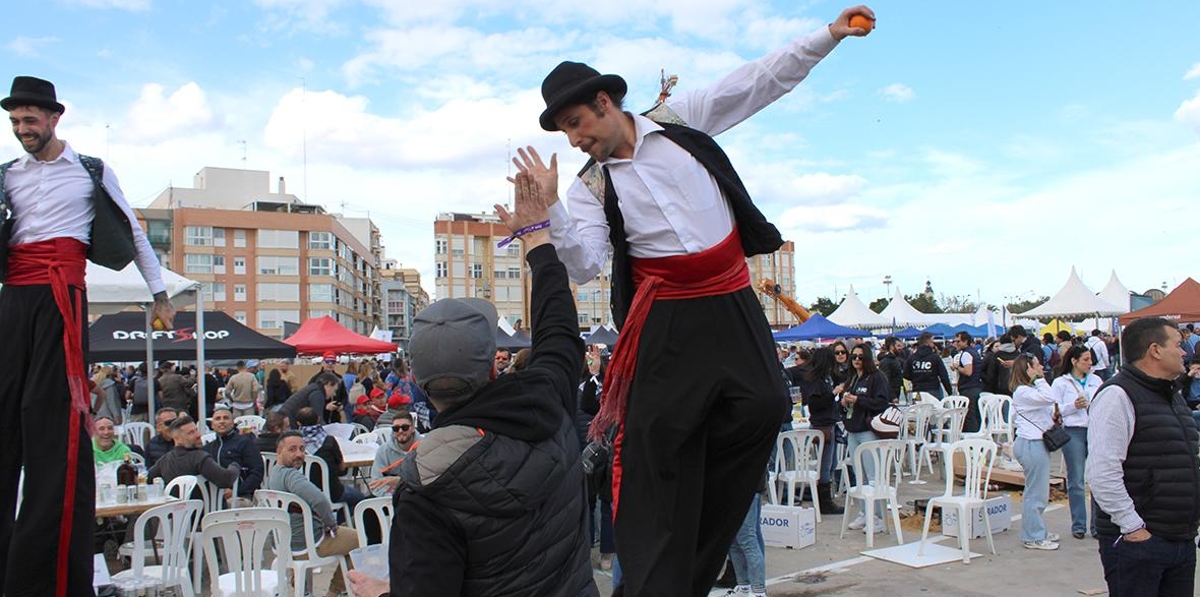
858	523
879	526
1052	537
1044	544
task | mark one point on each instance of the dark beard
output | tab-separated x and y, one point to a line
40	143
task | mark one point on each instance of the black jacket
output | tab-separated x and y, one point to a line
312	395
156	448
235	448
493	498
817	395
995	374
872	393
891	368
926	370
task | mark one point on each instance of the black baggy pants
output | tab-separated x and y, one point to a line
35	414
705	405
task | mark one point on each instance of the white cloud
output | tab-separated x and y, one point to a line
1193	73
129	5
29	46
898	92
1189	112
312	16
798	221
156	116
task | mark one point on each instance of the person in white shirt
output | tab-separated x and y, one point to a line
1074	386
1101	366
58	209
663	199
1033	402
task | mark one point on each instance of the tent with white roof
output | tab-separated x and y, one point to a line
1116	293
899	313
855	314
1075	298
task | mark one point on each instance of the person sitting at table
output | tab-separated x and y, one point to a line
370	407
319	443
187	458
276	424
385	474
161	443
106	447
230	447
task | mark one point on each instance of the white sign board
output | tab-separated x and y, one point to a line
788	526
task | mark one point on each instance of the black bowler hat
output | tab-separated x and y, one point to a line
32	91
572	83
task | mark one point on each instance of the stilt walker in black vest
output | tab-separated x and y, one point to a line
60	209
695	388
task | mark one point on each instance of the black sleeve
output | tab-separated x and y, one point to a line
877	397
589	397
557	347
943	374
906	372
252	468
427	554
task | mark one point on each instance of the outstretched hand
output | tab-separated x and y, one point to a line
840	28
536	189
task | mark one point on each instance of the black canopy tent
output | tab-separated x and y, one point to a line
122	337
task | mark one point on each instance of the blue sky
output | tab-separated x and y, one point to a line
989	147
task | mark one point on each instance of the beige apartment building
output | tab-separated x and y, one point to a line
403	299
266	258
468	264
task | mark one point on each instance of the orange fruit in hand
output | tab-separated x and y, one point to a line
862	22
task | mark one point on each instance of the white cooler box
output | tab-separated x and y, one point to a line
999	513
788	526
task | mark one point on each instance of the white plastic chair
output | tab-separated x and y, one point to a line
176	524
245	538
370	439
879	487
137	433
794	464
1000	420
312	460
956	402
979	455
269	459
359	429
985	404
137	459
290	502
214	497
182	486
253	422
914	433
945	430
927	398
382	509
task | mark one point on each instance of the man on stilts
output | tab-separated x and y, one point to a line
59	210
694	386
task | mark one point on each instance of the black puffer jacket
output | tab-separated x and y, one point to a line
492	499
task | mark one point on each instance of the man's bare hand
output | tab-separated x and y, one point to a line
390	482
535	190
530	162
368	586
163	312
841	29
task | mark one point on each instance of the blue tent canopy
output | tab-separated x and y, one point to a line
816	328
940	329
908	333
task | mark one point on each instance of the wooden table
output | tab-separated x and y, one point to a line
127	509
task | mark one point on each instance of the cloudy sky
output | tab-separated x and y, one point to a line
990	148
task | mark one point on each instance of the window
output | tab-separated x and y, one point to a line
279	239
439	246
214	292
198	236
239	293
266	291
514	273
239	238
158	231
441	270
314	313
456	246
240	317
239	265
582	296
583	319
197	264
272	319
320	240
218	263
218	236
320	293
320	266
514	249
272	265
477	271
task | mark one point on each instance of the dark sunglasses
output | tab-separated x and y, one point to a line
396	428
839	352
859	357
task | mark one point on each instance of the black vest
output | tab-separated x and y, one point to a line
975	379
111	238
1161	469
758	235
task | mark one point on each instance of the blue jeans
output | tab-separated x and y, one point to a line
1036	462
827	463
1155	567
854	439
1074	456
749	563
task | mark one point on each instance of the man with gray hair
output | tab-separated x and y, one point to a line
493	497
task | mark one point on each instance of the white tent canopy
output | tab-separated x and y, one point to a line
1116	293
900	314
853	313
111	291
1075	298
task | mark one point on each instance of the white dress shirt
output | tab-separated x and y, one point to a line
1111	430
1035	409
53	200
672	205
1066	389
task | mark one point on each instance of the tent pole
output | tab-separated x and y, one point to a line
201	393
151	367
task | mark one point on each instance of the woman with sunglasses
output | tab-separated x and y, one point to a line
817	393
841	362
865	395
1033	401
1074	388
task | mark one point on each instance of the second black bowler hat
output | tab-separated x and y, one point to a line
32	91
572	83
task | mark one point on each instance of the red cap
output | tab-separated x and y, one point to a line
329	354
376	392
398	400
362	399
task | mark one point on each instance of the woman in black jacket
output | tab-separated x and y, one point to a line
865	395
817	392
277	390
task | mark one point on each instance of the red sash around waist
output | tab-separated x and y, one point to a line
720	269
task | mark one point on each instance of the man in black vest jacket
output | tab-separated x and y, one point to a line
969	367
695	346
1143	470
58	209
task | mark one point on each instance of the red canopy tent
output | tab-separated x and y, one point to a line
1182	305
322	334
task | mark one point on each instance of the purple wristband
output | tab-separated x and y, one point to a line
523	232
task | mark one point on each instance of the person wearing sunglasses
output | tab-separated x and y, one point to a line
841	362
385	474
865	395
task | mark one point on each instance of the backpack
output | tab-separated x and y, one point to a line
141	391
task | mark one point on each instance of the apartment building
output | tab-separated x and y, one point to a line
779	266
403	299
266	257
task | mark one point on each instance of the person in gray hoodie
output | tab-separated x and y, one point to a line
385	474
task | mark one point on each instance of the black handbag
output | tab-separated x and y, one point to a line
1056	436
